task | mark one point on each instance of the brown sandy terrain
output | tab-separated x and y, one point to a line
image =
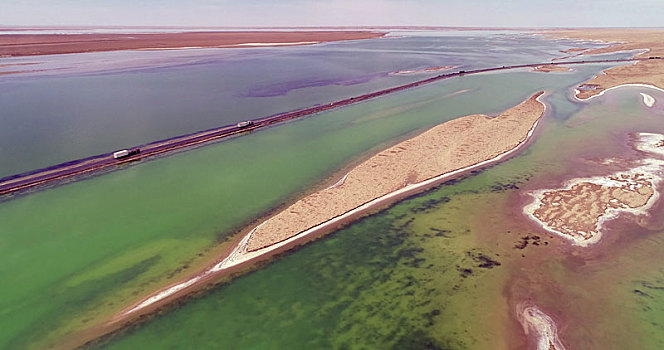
643	72
577	211
551	68
444	148
50	44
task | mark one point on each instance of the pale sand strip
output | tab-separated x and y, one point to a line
549	69
229	46
649	42
648	100
533	320
576	91
449	146
278	44
651	143
242	254
170	48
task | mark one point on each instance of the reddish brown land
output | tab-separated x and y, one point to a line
50	44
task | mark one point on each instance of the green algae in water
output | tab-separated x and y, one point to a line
97	234
372	285
429	273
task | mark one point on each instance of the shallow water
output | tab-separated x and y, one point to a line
79	105
77	253
113	238
446	269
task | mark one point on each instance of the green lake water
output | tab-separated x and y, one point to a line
443	270
412	276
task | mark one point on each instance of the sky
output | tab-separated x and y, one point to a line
259	13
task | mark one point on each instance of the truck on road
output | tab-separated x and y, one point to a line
245	124
126	153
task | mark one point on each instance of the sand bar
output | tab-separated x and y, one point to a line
422	70
589	86
444	148
551	68
651	143
578	210
537	323
650	72
648	100
516	125
50	44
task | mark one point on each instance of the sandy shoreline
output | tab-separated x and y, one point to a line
51	44
422	70
649	72
243	252
540	326
579	209
576	91
453	145
648	100
549	68
237	258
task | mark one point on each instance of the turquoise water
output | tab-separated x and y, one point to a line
114	238
443	270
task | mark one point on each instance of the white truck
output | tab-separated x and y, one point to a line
126	153
245	124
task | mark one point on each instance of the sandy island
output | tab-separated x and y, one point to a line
539	325
444	148
436	155
551	68
578	210
648	100
50	44
423	70
646	73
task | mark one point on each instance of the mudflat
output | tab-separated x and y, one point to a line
51	44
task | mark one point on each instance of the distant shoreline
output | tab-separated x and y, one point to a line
645	43
14	45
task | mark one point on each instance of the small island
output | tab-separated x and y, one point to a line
551	68
578	210
451	146
436	155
